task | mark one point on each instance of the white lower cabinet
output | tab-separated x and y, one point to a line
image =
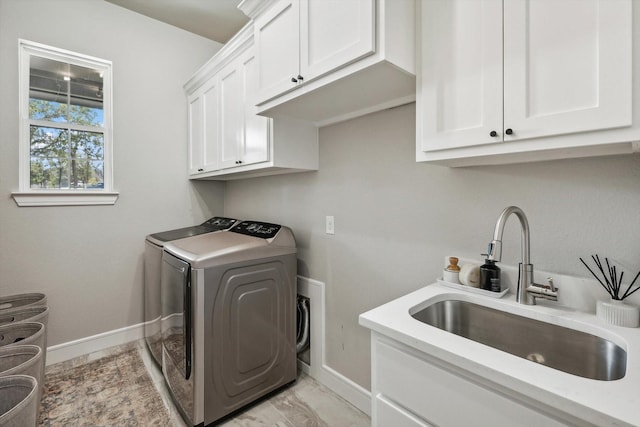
227	138
411	389
390	414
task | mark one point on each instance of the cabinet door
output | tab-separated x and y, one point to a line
255	147
334	33
277	38
460	84
567	66
203	130
435	393
196	135
211	127
389	414
231	116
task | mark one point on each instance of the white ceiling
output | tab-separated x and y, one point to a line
217	20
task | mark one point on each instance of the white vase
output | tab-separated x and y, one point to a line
618	313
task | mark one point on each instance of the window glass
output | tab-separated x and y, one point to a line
66	159
65	93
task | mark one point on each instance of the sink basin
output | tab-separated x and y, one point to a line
557	347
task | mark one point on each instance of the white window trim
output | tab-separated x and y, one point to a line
30	197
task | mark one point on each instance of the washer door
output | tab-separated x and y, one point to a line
176	312
250	341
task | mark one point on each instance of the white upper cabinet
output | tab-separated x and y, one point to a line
461	95
203	129
299	40
334	33
278	49
196	134
523	80
329	60
567	66
227	138
231	115
255	148
244	135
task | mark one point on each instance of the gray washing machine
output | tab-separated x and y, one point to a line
228	318
154	244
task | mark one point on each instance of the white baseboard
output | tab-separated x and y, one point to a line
350	391
69	350
318	369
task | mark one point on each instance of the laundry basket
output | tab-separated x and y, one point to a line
18	401
24	333
23	360
22	301
29	314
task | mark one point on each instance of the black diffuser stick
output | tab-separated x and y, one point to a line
620	282
627	293
596	259
632	292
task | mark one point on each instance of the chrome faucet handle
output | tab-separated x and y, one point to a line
548	292
550	286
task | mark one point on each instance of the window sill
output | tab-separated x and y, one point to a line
64	198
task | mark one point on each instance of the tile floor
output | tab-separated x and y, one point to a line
304	404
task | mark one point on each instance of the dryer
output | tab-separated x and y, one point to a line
154	244
228	318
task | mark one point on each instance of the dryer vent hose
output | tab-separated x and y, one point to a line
303	326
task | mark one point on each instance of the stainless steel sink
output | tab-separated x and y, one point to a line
557	347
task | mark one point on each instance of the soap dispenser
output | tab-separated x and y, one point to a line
490	276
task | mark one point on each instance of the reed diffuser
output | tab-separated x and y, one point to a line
615	311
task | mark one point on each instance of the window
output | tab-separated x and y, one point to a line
65	132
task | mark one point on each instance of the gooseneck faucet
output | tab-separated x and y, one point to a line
527	290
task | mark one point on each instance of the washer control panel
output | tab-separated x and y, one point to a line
218	223
263	230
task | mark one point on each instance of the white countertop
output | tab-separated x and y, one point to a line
604	403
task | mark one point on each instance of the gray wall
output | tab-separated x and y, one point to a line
395	219
88	260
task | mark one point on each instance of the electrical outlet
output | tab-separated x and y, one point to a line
330	225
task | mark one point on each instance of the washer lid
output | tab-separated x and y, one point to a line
226	247
213	224
180	233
